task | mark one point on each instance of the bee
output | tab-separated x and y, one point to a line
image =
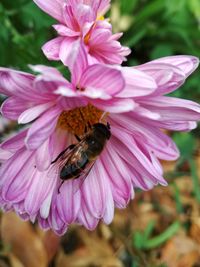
77	160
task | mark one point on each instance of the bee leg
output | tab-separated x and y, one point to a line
89	125
60	155
60	186
78	138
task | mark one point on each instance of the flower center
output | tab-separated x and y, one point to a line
75	120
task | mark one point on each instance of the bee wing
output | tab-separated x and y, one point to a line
56	167
77	183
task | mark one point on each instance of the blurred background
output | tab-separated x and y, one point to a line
160	228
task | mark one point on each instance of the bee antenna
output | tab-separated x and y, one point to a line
102	116
84	118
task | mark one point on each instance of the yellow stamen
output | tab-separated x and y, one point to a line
75	120
101	18
87	36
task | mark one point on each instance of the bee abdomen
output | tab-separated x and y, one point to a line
74	170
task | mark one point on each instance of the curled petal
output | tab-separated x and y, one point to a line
167	77
187	64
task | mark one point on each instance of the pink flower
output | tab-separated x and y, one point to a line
81	21
130	99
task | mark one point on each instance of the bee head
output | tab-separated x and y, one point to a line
103	129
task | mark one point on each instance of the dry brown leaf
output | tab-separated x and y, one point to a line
51	242
92	250
180	251
14	261
85	259
24	242
195	230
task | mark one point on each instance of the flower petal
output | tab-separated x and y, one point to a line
13	107
173	109
14	143
96	203
137	83
102	78
16	83
167	77
115	105
42	128
51	49
44	156
34	112
62	30
68	202
187	64
119	178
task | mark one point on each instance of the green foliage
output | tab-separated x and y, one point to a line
163	28
143	240
24	28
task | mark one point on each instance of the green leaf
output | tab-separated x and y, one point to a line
162	50
163	237
186	144
194	6
195	179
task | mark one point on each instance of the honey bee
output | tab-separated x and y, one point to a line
77	160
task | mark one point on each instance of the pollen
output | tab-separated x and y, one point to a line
77	120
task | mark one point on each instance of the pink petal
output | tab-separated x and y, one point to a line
173	109
18	188
34	112
137	83
51	49
119	178
103	6
137	152
96	203
13	107
48	74
42	128
55	222
185	63
40	189
115	105
5	155
44	156
68	202
153	137
85	217
17	83
102	78
15	169
70	17
84	14
65	31
15	143
52	7
167	77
